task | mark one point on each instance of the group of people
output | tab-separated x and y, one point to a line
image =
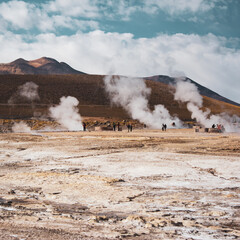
118	127
115	126
220	127
129	127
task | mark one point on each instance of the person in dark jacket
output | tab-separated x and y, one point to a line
84	126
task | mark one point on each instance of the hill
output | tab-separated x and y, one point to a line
202	90
93	100
42	65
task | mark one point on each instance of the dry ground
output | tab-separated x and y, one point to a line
147	184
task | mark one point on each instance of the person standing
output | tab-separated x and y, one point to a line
128	127
84	126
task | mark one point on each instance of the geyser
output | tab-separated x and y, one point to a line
132	94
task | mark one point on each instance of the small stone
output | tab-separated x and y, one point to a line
177	224
12	191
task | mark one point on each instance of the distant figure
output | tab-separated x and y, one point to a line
220	128
173	124
118	126
223	128
128	127
165	127
213	126
114	126
131	127
162	127
84	126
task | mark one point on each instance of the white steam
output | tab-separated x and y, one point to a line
66	113
132	94
21	127
188	92
27	92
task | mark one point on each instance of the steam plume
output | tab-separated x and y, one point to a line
132	94
21	127
66	113
188	92
27	92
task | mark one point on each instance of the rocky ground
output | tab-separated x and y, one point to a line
147	184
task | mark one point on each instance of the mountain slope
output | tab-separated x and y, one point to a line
202	90
90	92
49	66
42	65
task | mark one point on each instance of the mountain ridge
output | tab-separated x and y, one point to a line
50	66
93	99
43	65
202	90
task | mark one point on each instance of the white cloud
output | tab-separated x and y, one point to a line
17	13
59	22
55	14
22	15
179	6
121	9
204	59
75	8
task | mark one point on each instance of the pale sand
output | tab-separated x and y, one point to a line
147	184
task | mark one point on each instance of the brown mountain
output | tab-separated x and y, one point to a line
49	66
202	90
59	79
93	100
42	65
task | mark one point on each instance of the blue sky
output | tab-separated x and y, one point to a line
199	39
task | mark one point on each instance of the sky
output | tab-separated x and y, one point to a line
199	39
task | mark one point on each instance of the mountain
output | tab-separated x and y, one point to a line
56	79
50	66
42	65
92	97
202	90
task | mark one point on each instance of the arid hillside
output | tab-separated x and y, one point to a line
42	65
93	99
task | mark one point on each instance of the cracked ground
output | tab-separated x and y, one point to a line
147	184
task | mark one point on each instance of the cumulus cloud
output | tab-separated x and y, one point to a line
205	59
180	6
83	8
17	13
48	17
86	14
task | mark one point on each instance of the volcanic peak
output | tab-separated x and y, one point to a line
43	65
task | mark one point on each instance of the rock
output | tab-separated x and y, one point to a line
12	191
215	213
21	149
136	218
99	218
177	224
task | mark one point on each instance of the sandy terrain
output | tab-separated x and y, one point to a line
147	184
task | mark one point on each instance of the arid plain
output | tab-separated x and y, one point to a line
146	184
